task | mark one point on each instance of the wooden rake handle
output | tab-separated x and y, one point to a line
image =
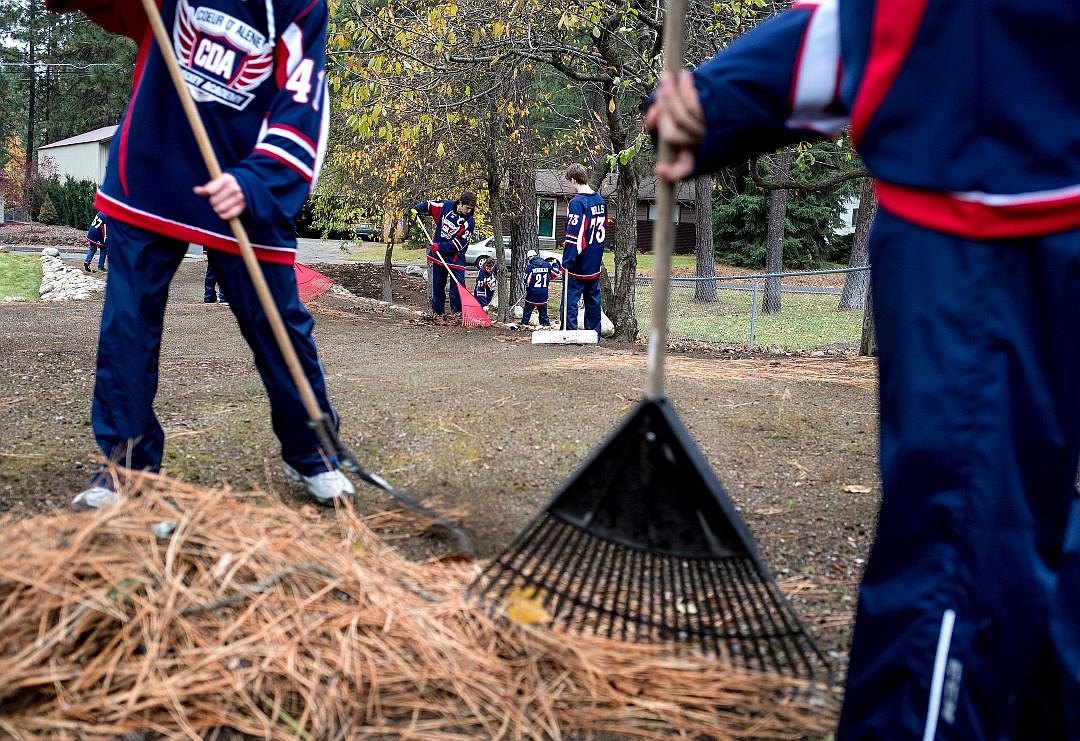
663	234
266	299
437	253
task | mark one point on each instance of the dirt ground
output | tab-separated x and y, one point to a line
479	423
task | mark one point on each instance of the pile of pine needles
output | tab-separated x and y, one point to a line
192	613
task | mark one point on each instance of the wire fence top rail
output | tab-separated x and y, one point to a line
644	278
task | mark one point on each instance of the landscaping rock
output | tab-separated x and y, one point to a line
62	283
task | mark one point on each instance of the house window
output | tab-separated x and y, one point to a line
676	212
545	223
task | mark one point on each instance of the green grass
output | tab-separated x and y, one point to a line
376	252
20	275
806	320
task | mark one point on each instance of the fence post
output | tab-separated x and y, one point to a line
753	313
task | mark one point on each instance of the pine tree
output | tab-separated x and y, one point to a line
48	214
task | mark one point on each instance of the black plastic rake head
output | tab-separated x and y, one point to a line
642	544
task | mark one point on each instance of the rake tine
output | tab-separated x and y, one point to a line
609	597
595	566
573	543
739	615
619	599
671	592
705	608
766	615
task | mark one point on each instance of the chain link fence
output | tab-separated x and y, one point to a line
807	310
814	309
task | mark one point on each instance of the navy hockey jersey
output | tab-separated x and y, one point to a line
586	232
538	276
452	231
962	112
97	233
257	73
485	286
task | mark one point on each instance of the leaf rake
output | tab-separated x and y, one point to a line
642	543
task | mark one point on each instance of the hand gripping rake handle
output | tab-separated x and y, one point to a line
674	22
437	253
317	419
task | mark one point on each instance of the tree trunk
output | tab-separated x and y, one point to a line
518	198
624	317
704	249
388	286
868	346
856	285
774	245
607	292
31	118
495	201
523	235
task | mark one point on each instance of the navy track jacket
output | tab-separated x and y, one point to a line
256	70
988	151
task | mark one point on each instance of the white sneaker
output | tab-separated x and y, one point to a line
325	487
95	497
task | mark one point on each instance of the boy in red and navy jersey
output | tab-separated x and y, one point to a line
256	71
968	116
96	237
538	276
453	224
583	249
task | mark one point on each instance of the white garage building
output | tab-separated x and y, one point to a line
82	157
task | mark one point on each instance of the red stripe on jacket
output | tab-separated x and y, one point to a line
187	233
952	214
895	24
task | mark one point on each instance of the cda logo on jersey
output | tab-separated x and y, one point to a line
222	58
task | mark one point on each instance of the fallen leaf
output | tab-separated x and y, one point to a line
857	489
525	606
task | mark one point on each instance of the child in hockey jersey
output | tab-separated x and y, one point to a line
95	240
538	276
484	290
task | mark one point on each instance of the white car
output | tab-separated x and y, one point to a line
486	248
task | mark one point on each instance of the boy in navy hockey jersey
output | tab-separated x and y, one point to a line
95	240
538	276
256	71
453	225
583	249
968	623
486	282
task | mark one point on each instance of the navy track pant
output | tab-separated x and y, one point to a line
574	291
141	266
438	286
968	624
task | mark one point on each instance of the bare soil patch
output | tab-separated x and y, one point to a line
365	279
478	422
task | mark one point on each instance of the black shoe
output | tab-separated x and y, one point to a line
86	267
103	270
209	299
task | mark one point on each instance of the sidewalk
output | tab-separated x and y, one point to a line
320	250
